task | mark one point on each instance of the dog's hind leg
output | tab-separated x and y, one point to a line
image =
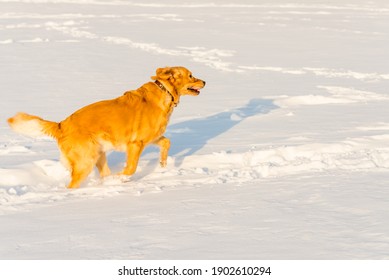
102	165
78	175
81	160
164	146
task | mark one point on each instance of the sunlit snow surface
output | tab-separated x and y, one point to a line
284	155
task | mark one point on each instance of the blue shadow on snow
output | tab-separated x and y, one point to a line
190	136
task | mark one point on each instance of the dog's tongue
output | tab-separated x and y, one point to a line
197	90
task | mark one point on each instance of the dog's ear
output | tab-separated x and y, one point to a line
163	73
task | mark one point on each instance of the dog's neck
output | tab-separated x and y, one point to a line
175	100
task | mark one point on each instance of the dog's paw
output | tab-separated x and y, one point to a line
163	163
125	178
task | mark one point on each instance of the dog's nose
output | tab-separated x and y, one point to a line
204	83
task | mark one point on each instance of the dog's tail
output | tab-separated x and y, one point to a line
34	126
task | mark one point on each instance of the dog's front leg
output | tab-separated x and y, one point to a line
134	149
164	146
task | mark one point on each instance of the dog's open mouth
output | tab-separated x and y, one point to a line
194	90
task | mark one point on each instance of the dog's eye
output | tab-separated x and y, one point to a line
190	76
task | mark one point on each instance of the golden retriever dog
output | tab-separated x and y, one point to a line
128	123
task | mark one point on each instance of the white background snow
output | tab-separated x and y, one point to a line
284	155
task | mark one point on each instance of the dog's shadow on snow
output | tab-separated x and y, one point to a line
190	136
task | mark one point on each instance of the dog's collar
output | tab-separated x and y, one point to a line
161	86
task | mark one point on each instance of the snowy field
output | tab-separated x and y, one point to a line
284	155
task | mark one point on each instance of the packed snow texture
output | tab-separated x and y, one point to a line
284	155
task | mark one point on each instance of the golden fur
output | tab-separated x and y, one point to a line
128	123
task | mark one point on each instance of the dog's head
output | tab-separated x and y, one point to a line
181	79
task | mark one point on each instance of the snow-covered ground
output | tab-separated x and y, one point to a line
284	155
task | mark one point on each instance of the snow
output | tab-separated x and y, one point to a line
283	155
